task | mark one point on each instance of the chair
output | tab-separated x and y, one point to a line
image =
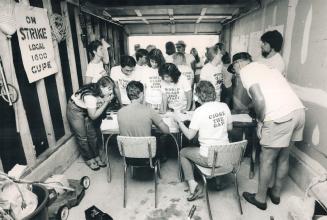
139	152
223	159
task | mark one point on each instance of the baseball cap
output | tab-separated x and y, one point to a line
236	57
180	42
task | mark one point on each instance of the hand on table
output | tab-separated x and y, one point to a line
177	116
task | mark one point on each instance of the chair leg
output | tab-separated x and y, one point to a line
238	194
159	169
155	185
107	159
206	195
125	185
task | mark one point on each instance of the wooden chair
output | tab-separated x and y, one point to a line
139	152
223	159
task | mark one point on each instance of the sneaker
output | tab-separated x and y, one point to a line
250	197
274	199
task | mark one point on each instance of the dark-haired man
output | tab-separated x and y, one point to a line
271	46
122	75
136	119
280	124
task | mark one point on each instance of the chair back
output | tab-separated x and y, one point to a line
226	155
137	147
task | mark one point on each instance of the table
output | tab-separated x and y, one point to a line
244	121
109	126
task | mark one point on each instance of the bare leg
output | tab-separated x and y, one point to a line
282	170
267	161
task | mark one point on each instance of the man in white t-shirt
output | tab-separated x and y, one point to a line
271	45
281	118
141	64
122	75
95	69
180	61
212	71
190	60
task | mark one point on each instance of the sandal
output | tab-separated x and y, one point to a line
100	163
92	164
197	194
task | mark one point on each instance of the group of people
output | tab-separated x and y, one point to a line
155	83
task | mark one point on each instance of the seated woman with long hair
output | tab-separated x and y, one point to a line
84	106
210	121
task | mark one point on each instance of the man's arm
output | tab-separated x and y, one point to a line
188	95
258	101
117	91
163	127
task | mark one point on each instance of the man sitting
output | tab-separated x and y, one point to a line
136	119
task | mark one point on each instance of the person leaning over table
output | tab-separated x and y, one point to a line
281	118
176	90
212	121
84	106
136	119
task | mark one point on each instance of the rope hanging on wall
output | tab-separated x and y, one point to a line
58	27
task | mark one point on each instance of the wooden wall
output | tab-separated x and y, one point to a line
38	120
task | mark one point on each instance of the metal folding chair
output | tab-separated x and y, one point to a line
223	159
133	150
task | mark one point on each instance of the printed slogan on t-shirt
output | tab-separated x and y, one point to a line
218	119
35	41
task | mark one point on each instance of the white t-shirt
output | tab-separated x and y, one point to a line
94	70
169	58
176	93
139	72
189	59
214	75
122	80
187	72
279	97
152	85
276	62
211	120
89	101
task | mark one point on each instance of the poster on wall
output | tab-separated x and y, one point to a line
255	45
34	37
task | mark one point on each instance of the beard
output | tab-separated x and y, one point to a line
265	53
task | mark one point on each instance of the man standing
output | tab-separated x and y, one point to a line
281	118
271	45
122	75
212	71
190	60
137	118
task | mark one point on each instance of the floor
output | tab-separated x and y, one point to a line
172	203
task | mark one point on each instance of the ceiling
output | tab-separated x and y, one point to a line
154	17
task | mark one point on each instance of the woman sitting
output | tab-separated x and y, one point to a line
86	105
176	90
211	121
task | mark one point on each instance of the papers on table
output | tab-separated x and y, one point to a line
110	123
241	118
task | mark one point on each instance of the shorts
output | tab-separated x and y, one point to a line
280	132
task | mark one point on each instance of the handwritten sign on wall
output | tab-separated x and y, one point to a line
34	36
